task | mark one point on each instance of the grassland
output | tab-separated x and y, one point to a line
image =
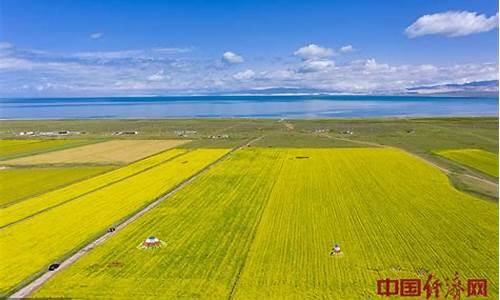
63	195
262	223
29	246
21	183
116	151
10	149
478	159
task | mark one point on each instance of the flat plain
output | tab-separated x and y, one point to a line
75	191
10	149
261	225
116	151
31	245
21	183
478	159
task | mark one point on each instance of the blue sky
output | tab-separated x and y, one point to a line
91	48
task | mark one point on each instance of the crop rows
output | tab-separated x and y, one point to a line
20	183
393	216
31	245
115	151
208	228
481	160
261	226
34	205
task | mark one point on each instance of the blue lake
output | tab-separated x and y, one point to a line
246	107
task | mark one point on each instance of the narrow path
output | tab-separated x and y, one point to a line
445	170
36	284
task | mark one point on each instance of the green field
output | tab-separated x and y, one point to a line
20	183
261	224
10	149
478	159
30	245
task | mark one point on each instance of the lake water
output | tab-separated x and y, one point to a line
246	107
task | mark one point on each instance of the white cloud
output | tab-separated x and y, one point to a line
452	24
25	72
313	51
158	76
172	50
5	45
232	58
96	35
347	49
280	75
245	75
310	66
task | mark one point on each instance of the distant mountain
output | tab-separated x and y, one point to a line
281	91
475	88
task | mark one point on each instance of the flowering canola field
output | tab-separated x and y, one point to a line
42	202
30	245
261	225
478	159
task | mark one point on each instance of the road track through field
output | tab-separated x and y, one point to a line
446	171
37	283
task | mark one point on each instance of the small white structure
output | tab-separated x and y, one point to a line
26	133
151	242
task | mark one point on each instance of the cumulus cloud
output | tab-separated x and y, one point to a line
25	72
310	66
313	51
347	49
96	35
452	24
245	75
232	58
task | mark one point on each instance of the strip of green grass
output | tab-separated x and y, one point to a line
10	149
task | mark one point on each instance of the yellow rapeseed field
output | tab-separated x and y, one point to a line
478	159
36	204
17	184
116	151
207	227
31	245
261	225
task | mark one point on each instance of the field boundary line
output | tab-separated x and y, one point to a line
89	192
31	287
254	235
